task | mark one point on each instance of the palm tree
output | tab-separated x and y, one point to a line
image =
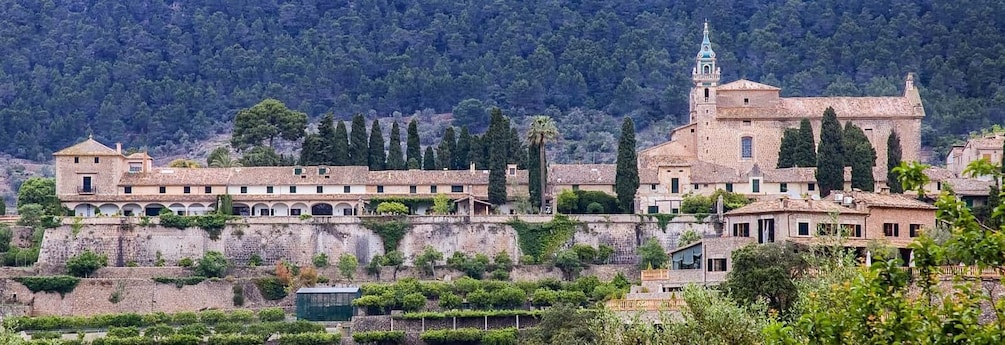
224	161
912	177
542	130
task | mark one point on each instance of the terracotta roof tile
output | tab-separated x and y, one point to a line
704	172
990	142
656	161
888	200
789	175
648	175
969	186
89	147
939	174
177	177
601	174
429	177
744	84
813	107
309	175
793	205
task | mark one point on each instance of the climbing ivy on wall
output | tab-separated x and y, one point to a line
390	230
540	240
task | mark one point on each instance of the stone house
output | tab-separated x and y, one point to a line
987	147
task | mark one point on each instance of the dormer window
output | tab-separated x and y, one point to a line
298	171
322	171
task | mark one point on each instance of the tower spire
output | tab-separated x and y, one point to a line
705	70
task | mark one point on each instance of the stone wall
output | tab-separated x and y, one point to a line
273	239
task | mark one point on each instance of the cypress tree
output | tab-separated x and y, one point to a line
462	155
395	158
517	151
534	174
326	133
429	160
787	150
830	158
626	179
412	148
805	154
340	146
852	137
893	158
477	154
310	152
445	152
497	138
358	152
377	157
861	167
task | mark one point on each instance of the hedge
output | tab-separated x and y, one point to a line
57	284
468	314
271	314
234	339
317	338
180	281
379	337
51	323
460	336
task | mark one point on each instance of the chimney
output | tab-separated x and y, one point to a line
472	166
118	148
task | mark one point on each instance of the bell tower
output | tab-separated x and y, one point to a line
705	77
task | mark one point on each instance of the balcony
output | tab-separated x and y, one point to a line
86	190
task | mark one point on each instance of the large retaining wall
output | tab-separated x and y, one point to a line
296	240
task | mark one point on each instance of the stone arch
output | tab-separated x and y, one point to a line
132	210
178	208
261	209
280	209
85	210
198	209
241	209
109	209
343	209
321	209
153	209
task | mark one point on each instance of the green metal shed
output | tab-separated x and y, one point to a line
326	303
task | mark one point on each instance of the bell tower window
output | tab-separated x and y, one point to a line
706	69
746	147
706	93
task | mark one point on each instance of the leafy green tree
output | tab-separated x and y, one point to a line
429	159
213	264
982	167
412	148
84	264
788	147
462	154
652	255
358	145
912	177
392	207
426	261
320	260
478	155
374	266
261	156
542	131
497	138
266	121
830	154
766	272
687	237
441	204
394	259
395	158
568	202
470	113
184	163
626	179
377	156
893	160
347	265
805	154
40	191
445	152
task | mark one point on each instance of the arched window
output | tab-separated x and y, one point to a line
706	69
706	95
746	147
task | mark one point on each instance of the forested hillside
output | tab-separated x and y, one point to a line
168	73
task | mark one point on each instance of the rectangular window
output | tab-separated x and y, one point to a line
269	189
346	189
135	167
294	211
652	187
755	186
653	209
695	186
319	189
811	187
298	171
322	171
432	189
460	189
162	189
891	229
804	229
765	230
915	230
675	210
96	160
128	189
574	187
244	190
675	185
412	189
512	171
746	147
187	190
783	188
76	160
380	189
716	265
729	187
741	230
858	230
208	190
293	189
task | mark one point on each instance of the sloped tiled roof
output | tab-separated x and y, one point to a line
656	161
793	205
789	175
990	142
969	186
888	200
648	175
177	177
309	175
89	147
601	174
139	155
705	172
428	177
813	107
939	174
744	84
672	148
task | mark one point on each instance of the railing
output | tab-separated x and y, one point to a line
87	189
649	304
9	219
963	271
655	275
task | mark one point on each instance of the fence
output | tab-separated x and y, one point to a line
648	304
655	275
963	271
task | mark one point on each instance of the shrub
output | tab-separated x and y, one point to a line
500	274
317	338
84	264
509	298
185	262
228	328
466	285
458	336
472	267
604	254
568	261
379	337
195	330
480	299
159	331
238	298
121	341
695	204
271	288
234	339
271	314
156	318
426	261
58	284
255	260
506	336
413	302
577	298
211	317
296	327
180	281
586	253
241	316
449	301
46	335
320	260
123	332
544	297
213	264
185	318
595	208
181	339
392	207
502	261
347	265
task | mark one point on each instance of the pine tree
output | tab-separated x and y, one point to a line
626	179
861	167
377	158
412	148
893	158
310	152
340	146
787	150
805	154
358	148
463	152
497	137
395	158
445	152
326	134
830	158
429	160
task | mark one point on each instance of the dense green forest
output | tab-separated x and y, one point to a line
166	74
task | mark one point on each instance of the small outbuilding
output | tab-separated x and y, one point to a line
326	303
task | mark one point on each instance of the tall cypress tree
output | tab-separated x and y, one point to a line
787	150
830	158
395	158
310	152
805	154
517	151
445	152
861	167
377	158
852	137
358	148
340	146
534	174
497	138
626	178
429	159
462	155
326	132
412	148
477	154
893	158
